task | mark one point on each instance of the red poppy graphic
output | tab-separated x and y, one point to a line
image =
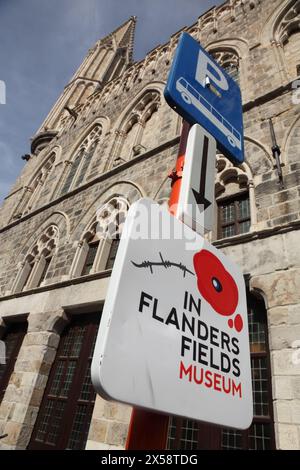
215	284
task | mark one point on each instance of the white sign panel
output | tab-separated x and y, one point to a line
174	332
197	194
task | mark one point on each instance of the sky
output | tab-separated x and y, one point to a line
43	42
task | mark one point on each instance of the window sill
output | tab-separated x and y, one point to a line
58	285
256	235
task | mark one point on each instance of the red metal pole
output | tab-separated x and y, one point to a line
148	430
176	175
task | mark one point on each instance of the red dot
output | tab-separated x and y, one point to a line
230	323
238	323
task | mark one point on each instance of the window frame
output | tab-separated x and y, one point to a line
47	260
112	253
95	244
30	266
236	198
84	153
72	398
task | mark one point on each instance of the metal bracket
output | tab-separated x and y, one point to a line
276	154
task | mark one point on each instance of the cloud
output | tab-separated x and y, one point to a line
9	169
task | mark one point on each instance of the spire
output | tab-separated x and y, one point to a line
124	36
121	42
106	60
110	55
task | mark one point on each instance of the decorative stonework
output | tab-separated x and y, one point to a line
33	267
290	23
226	173
131	134
33	191
105	227
229	60
75	173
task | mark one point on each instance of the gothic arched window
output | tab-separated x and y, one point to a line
230	62
186	434
234	215
97	249
33	191
34	269
135	135
91	254
233	199
78	168
288	36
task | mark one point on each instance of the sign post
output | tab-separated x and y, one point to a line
200	355
156	423
196	199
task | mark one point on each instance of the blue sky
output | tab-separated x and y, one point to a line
43	42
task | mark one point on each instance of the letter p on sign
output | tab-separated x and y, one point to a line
207	68
217	107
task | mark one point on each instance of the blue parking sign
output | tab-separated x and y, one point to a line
203	93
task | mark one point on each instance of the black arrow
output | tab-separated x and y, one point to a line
200	195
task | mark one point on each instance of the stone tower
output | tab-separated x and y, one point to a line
109	140
106	61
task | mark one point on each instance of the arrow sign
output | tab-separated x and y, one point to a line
195	205
200	195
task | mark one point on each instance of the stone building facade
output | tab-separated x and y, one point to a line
109	140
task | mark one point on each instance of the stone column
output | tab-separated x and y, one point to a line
109	426
280	60
27	193
102	254
79	259
253	214
20	405
36	272
23	270
116	150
